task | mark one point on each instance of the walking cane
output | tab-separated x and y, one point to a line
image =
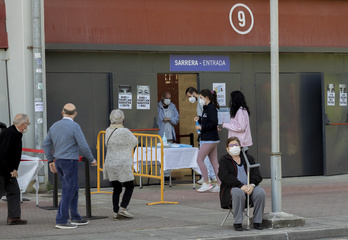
248	172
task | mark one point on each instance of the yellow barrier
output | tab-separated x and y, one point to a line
147	141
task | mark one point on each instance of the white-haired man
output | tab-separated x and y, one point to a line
10	157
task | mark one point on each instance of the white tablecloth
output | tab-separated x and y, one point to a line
28	171
174	158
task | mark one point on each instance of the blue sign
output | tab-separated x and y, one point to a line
200	63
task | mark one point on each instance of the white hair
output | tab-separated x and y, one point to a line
20	119
116	116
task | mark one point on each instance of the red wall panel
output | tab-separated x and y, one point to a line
3	33
303	23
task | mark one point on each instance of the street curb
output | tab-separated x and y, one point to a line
294	235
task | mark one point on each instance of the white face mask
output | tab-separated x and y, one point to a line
192	99
235	150
166	101
201	101
26	130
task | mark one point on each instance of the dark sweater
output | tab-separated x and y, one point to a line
10	151
209	123
228	175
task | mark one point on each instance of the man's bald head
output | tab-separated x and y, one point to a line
69	109
166	94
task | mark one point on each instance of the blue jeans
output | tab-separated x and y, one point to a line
68	172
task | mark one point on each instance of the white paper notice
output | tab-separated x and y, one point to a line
331	94
143	97
224	115
343	95
38	106
124	97
220	89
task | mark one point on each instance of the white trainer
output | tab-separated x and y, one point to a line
124	213
205	187
213	179
201	181
215	189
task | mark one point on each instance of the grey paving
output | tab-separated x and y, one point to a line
321	200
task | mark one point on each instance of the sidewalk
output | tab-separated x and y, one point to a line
320	200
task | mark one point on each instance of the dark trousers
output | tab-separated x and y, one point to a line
68	172
13	196
2	186
126	196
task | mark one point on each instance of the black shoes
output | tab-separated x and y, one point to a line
238	227
258	226
16	221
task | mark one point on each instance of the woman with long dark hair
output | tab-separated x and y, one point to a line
239	125
209	138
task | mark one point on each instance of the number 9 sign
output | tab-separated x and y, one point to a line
242	20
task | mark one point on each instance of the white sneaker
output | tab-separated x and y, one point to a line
201	181
66	226
124	213
215	189
205	187
213	179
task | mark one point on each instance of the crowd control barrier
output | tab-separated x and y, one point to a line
148	160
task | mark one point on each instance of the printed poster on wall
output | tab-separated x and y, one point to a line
143	97
343	95
124	97
220	89
331	94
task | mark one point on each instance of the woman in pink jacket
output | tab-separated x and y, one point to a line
239	125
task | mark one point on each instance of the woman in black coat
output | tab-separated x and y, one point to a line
209	138
234	188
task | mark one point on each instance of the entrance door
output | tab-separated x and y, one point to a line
300	123
177	84
91	94
335	125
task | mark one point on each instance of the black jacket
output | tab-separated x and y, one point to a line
10	150
228	175
209	123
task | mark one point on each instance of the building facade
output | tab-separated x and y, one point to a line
95	48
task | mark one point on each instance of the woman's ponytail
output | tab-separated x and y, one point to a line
212	97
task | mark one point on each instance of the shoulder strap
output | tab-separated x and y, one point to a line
110	136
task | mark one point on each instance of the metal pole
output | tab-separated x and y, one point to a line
87	189
55	190
37	78
276	170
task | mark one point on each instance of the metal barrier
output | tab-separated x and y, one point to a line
147	160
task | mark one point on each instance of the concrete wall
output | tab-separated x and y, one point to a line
20	64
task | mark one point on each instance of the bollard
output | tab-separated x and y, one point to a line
87	189
88	192
55	190
55	194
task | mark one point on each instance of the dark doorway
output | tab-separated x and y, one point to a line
335	126
92	95
169	82
300	123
